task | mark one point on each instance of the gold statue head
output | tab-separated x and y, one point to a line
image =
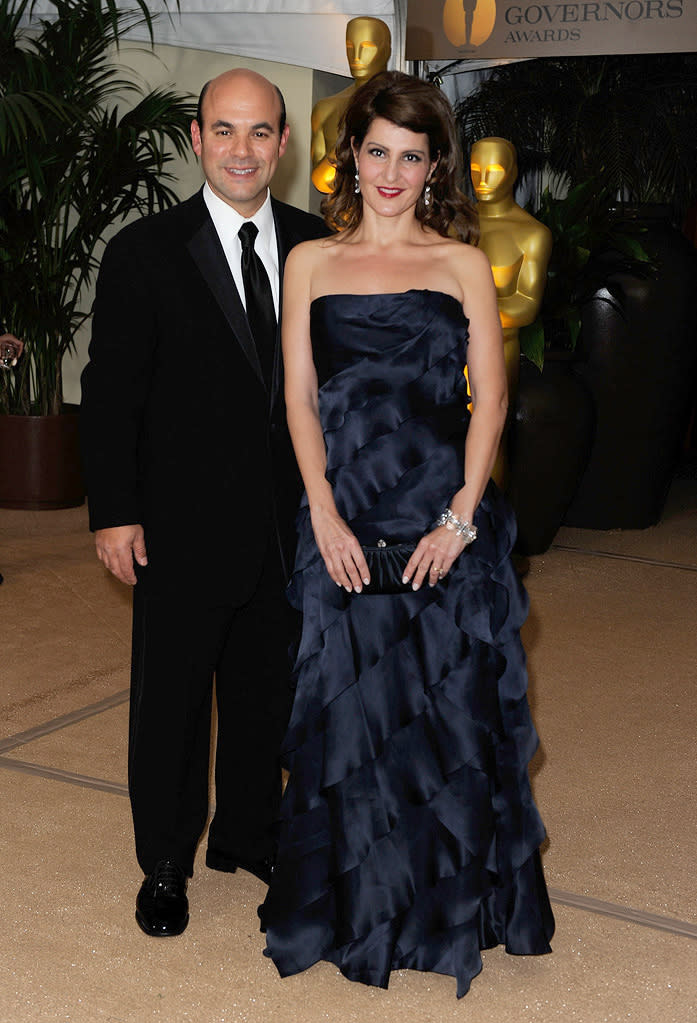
368	46
494	168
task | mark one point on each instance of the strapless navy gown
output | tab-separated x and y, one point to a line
409	838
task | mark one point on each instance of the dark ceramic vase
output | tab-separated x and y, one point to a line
549	444
641	367
40	461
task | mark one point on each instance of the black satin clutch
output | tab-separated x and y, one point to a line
386	564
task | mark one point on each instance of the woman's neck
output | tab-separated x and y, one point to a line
386	232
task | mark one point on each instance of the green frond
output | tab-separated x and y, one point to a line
76	159
628	120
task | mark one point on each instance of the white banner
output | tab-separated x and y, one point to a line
307	33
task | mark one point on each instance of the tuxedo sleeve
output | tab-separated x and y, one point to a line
115	383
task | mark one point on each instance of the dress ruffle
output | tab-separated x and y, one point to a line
408	836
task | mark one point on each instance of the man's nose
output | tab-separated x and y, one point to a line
240	146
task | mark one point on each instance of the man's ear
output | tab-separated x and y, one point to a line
284	140
196	137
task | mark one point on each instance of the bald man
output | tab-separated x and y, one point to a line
193	490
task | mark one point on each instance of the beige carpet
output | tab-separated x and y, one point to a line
612	644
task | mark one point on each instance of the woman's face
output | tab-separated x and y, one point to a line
393	167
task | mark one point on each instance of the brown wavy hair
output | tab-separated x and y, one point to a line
420	107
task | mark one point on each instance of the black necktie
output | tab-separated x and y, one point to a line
259	300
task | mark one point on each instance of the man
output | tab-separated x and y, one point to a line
193	489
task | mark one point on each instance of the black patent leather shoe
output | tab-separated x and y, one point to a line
162	908
263	869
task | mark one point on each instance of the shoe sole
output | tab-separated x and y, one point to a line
160	934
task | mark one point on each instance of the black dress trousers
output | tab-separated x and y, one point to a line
179	646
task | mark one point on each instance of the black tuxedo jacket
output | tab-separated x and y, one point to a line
180	433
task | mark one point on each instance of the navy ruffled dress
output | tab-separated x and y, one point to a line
409	838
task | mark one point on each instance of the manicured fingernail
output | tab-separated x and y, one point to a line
414	586
357	589
366	581
405	579
339	585
348	589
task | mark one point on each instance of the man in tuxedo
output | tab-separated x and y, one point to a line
193	490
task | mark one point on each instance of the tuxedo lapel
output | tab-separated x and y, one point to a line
285	244
207	252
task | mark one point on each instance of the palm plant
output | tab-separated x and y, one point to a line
592	248
628	120
604	132
73	162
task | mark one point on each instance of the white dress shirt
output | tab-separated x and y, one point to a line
227	222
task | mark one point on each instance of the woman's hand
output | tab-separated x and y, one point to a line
340	550
434	556
11	349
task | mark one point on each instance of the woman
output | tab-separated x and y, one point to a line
11	349
409	838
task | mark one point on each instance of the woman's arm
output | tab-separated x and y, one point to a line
437	551
486	370
338	546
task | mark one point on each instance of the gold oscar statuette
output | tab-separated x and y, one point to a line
469	23
368	49
518	247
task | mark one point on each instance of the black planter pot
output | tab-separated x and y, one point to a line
549	444
641	369
40	461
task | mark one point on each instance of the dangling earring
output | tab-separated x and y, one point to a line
357	186
427	195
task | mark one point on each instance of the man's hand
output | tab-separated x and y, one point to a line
118	546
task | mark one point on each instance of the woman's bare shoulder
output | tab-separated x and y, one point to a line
466	259
304	256
456	249
462	250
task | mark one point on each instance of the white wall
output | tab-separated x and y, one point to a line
187	70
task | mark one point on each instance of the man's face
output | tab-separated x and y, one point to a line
239	143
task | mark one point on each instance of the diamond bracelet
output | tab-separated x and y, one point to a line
463	529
